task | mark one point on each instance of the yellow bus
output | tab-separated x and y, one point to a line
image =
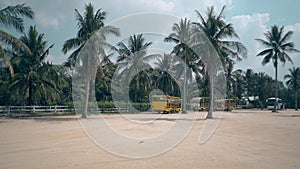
165	104
225	104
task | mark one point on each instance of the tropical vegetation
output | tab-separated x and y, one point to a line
26	78
277	50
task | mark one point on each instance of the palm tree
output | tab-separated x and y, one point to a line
218	33
88	44
136	44
133	57
182	36
104	77
293	82
250	81
238	83
11	17
34	79
165	81
277	49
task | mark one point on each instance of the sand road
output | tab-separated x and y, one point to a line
243	139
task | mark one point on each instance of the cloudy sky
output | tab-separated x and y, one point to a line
251	18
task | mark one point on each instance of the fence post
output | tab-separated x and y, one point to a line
55	108
33	109
8	111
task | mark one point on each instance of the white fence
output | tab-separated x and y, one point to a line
35	110
17	111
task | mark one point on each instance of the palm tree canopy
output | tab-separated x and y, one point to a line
88	24
136	44
183	35
277	46
217	30
11	17
293	78
38	51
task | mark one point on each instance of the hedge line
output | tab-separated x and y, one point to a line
109	104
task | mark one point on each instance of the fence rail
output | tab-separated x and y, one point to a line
34	110
12	111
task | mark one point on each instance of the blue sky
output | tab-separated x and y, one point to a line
251	18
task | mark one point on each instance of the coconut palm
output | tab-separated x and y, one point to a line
238	83
88	44
104	78
88	24
182	35
11	17
277	49
293	82
133	58
165	81
218	32
34	79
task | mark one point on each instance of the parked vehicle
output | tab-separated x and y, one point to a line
199	103
165	104
271	102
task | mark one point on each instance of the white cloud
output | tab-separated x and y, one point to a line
295	27
255	23
249	28
47	21
187	8
159	5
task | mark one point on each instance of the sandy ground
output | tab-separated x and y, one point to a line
243	139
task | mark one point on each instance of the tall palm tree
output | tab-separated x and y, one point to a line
89	44
11	17
218	33
133	57
293	82
33	76
88	24
277	49
182	36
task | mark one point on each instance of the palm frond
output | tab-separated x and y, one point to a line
14	42
267	58
46	52
11	16
264	42
6	61
71	44
264	52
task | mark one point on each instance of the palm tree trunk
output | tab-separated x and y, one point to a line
211	96
184	90
276	86
296	100
86	100
30	97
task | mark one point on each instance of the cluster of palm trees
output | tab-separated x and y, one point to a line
30	80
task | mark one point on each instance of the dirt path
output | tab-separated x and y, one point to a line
243	139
